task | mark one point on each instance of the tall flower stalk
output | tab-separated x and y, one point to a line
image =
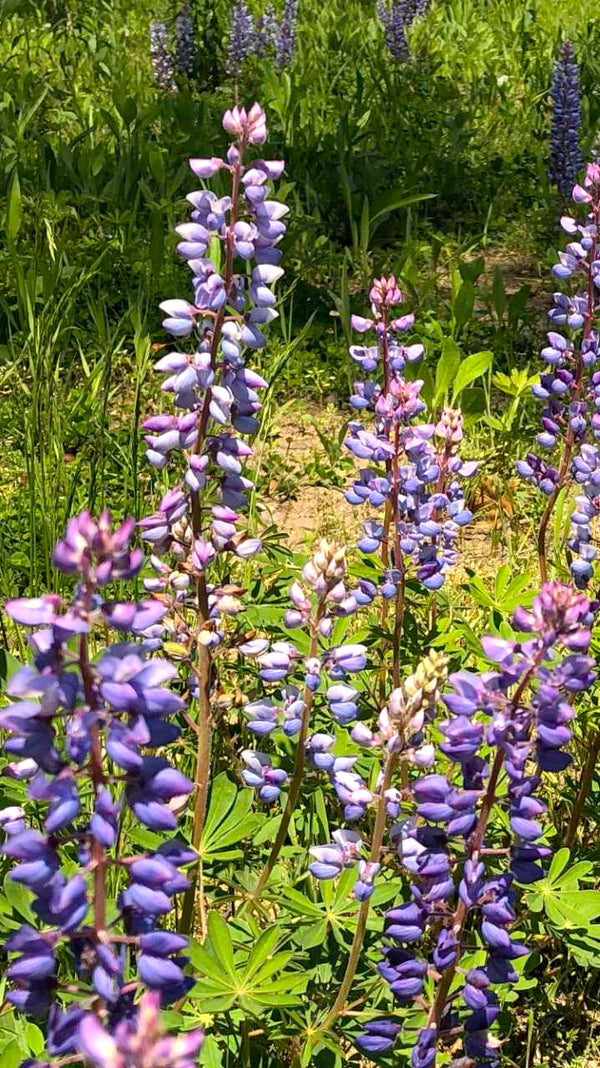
185	45
569	390
395	20
565	154
79	731
198	519
415	471
400	729
160	55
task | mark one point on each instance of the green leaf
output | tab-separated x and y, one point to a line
462	308
446	370
211	1056
473	367
393	200
220	942
262	950
207	965
13	207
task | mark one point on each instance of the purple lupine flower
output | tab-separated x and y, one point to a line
137	1041
242	38
216	396
162	64
415	469
523	710
65	712
260	774
565	155
396	20
569	389
285	39
266	32
185	45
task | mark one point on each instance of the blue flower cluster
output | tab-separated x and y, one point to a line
84	734
520	711
570	387
396	20
565	155
418	471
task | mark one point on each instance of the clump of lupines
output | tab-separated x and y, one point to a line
162	63
82	732
262	37
570	388
523	710
415	471
396	20
216	400
565	155
185	45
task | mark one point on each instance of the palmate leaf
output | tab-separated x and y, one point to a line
336	913
229	820
230	978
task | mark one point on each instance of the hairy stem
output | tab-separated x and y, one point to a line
97	775
204	657
584	788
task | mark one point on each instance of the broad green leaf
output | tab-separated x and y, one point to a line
207	965
219	939
446	369
558	865
299	904
471	368
463	305
263	948
310	935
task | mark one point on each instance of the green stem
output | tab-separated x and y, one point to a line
297	776
363	912
584	788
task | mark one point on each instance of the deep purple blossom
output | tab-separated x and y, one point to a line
65	710
565	154
523	713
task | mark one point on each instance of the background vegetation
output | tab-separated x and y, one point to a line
434	169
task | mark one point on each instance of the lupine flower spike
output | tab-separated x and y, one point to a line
185	47
415	472
396	20
242	38
565	155
216	397
398	740
162	64
316	602
569	389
